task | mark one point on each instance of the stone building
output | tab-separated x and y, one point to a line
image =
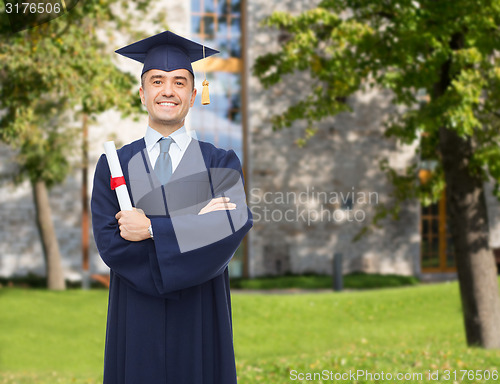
308	203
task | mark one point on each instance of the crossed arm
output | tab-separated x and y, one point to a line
134	224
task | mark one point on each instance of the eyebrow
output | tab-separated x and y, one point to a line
157	77
180	78
153	77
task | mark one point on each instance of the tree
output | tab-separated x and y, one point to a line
446	50
50	76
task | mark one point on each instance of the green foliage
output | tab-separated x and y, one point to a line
345	46
52	74
58	337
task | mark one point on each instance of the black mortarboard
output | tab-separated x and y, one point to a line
166	51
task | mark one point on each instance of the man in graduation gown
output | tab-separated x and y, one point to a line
169	315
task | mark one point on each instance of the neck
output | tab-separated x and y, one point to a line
166	130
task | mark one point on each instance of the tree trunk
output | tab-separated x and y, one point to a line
85	205
468	213
470	230
466	206
55	276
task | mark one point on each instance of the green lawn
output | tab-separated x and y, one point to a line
51	337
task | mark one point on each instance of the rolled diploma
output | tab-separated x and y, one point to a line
116	171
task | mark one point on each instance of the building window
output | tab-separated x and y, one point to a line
436	249
217	23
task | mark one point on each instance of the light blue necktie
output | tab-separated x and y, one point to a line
163	165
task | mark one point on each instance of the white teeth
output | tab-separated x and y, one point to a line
168	104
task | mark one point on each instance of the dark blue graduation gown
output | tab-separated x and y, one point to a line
169	314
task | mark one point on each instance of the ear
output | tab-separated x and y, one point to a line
141	93
193	96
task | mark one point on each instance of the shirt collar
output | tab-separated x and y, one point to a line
180	136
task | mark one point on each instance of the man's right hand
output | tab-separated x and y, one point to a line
218	204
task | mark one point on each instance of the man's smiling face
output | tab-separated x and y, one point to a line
167	97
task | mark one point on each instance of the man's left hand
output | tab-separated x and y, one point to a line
133	225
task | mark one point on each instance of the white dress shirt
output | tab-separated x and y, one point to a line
177	148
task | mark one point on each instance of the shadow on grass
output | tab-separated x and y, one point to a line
356	280
40	282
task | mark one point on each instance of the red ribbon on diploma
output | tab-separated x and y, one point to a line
116	182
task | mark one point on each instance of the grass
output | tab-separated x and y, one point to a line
51	333
58	337
356	280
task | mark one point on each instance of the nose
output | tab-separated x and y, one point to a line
168	89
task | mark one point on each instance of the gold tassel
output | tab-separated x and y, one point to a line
205	97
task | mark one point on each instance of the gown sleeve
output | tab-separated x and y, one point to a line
129	260
169	263
191	249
